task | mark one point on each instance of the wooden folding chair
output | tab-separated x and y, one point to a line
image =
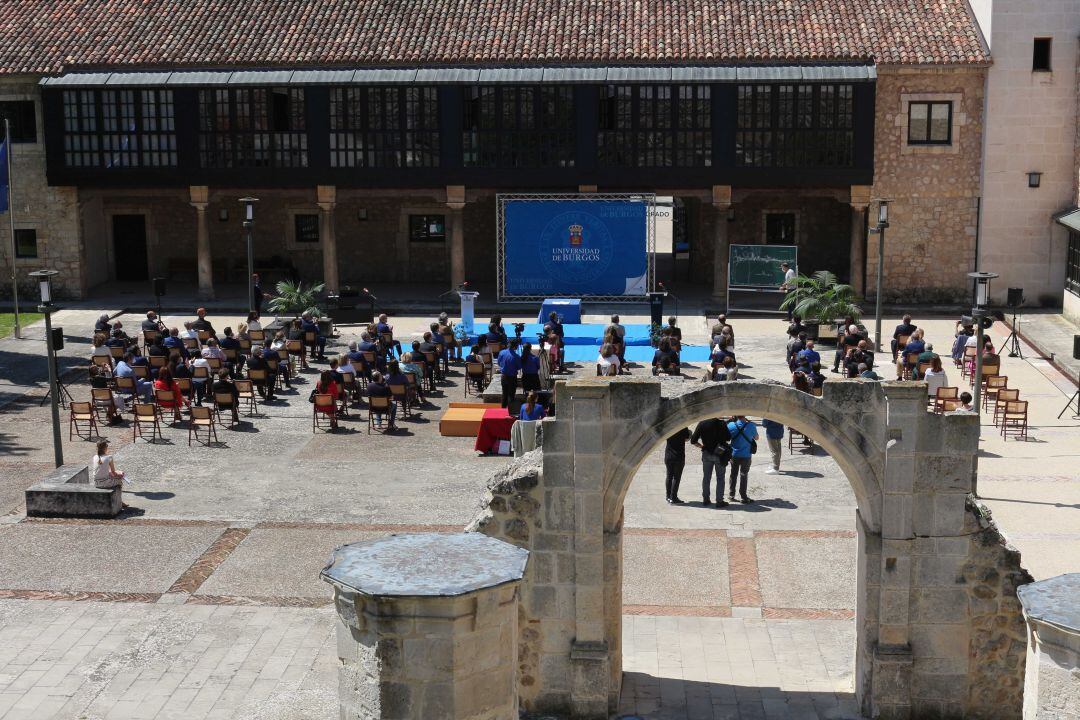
245	345
147	414
141	371
489	364
992	385
901	342
1004	396
1014	420
231	355
284	357
225	401
911	361
475	377
967	366
310	338
260	377
923	367
82	415
942	394
150	337
192	345
349	387
989	370
400	395
816	391
158	361
274	364
257	337
167	400
323	412
413	387
387	341
951	404
434	370
449	343
127	385
204	335
378	406
104	362
215	364
116	352
102	400
187	389
295	348
245	393
202	418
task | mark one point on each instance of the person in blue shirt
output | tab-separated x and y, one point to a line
808	356
509	366
743	433
231	343
532	409
916	346
173	342
774	434
384	328
495	335
530	369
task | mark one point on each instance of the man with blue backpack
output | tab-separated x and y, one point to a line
743	446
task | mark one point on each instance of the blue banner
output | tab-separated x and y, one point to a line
576	247
3	178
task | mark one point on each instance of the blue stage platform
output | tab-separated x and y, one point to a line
586	354
591	334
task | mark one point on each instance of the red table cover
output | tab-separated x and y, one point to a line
494	426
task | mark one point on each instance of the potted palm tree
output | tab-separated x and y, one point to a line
296	299
820	300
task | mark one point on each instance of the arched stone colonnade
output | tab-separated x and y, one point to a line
936	616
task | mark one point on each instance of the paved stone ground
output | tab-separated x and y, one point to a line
207	603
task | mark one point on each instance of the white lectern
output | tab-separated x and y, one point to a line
468	309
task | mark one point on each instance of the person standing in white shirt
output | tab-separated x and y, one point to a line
788	286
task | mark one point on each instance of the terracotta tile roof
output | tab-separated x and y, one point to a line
51	36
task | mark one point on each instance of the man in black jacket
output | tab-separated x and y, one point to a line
674	461
905	329
712	437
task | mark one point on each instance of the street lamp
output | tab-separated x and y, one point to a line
980	315
882	223
44	278
249	223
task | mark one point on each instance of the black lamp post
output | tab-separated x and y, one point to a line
979	313
44	278
882	223
249	224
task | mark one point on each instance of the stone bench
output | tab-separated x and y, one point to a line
68	492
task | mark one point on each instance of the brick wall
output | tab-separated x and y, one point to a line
930	244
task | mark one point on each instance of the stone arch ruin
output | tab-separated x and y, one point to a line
939	628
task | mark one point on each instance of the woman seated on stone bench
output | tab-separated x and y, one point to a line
104	472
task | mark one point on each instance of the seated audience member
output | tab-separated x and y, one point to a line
308	325
144	387
253	322
531	409
608	360
935	377
429	344
988	348
728	370
98	381
100	349
530	369
178	367
201	324
867	373
103	326
257	362
379	388
665	351
116	339
189	332
717	329
807	356
384	328
212	350
666	367
800	382
395	376
200	384
328	386
906	329
222	385
229	342
335	372
959	343
965	401
915	345
175	342
279	341
927	354
795	327
618	333
495	336
814	376
165	382
845	346
722	350
675	332
861	354
344	365
497	321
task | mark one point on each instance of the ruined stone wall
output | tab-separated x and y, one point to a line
933	216
51	211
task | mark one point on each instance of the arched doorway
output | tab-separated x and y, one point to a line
911	472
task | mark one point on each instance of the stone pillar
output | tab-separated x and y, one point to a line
860	201
455	200
200	199
721	201
1051	680
590	663
427	626
327	200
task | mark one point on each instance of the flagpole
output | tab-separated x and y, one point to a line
11	228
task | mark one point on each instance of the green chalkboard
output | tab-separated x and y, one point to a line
759	265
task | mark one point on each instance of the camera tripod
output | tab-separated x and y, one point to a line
63	395
1012	343
1074	400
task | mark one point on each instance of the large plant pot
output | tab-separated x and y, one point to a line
812	328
